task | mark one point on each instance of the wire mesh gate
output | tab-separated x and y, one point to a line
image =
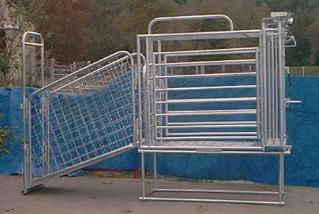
80	119
227	100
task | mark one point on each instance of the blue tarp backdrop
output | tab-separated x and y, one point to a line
302	166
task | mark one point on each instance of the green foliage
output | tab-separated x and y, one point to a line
4	133
91	29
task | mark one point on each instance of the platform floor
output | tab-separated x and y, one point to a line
94	195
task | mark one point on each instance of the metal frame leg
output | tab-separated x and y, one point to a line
155	170
280	194
281	179
143	175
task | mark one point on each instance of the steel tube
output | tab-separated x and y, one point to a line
211	52
208	88
208	63
209	75
193	17
208	100
208	112
210	35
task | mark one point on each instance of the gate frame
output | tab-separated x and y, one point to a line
31	183
147	148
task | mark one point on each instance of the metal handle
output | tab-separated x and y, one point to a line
291	39
195	17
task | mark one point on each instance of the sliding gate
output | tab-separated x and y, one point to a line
225	100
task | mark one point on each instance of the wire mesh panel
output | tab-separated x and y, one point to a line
82	118
215	92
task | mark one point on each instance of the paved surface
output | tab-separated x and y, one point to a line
90	195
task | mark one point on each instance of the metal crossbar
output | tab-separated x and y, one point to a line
228	100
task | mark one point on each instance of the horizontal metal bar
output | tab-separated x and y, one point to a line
217	191
213	123
208	100
212	200
207	63
208	112
208	137
239	34
210	133
207	75
85	163
218	150
207	88
209	126
211	52
34	44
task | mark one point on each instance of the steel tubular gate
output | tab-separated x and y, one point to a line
225	100
80	119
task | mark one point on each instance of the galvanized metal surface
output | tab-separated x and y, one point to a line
178	119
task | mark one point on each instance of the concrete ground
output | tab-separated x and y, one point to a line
92	194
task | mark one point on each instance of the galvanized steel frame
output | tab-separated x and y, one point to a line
271	99
69	83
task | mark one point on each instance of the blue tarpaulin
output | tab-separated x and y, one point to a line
302	166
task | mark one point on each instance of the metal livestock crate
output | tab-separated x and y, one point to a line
229	98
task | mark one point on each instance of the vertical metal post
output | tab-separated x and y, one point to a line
139	73
155	169
147	96
143	174
281	177
26	102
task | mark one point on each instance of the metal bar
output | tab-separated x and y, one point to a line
226	191
27	181
208	88
139	80
143	174
155	170
213	123
208	112
208	126
208	137
225	51
85	163
208	63
194	133
209	100
212	200
238	34
217	150
209	75
33	44
193	17
281	177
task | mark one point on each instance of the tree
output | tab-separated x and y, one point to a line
16	16
65	26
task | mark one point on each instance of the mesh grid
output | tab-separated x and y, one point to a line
86	118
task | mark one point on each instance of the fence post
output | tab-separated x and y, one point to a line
52	70
73	67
